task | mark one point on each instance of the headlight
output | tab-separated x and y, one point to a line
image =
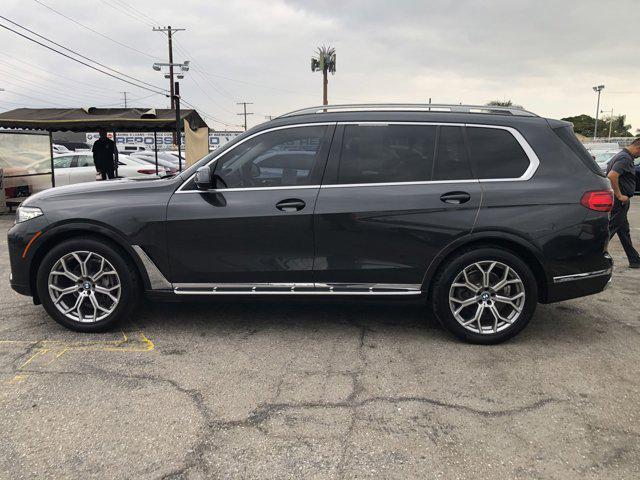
27	213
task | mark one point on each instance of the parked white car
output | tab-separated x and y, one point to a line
79	167
131	148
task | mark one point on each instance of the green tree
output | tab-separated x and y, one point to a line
503	103
584	125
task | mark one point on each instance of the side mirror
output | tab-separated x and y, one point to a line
203	178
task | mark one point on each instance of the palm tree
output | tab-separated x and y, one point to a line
325	61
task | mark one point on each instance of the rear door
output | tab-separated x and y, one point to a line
82	169
394	195
61	169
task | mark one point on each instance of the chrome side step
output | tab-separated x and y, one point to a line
295	289
159	282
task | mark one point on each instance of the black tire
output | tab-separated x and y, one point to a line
129	292
450	271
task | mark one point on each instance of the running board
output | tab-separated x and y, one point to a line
295	289
158	282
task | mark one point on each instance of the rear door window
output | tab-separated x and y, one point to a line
386	153
451	156
85	161
62	162
495	153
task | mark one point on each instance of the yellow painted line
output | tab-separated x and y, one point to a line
35	355
17	379
126	344
150	344
58	355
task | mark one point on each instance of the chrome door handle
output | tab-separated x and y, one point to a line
455	198
291	205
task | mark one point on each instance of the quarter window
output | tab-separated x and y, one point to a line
495	153
451	156
286	157
388	153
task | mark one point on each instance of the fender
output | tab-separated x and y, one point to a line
85	226
479	237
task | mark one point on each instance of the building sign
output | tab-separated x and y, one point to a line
165	139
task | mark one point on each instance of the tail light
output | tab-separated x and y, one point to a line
148	171
598	200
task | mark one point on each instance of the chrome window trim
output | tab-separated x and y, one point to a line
534	161
262	132
391	184
581	276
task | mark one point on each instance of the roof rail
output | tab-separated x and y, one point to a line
409	107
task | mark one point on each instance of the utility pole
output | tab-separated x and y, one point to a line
610	112
169	31
597	89
125	98
245	113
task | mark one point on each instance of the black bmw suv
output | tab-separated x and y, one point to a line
482	211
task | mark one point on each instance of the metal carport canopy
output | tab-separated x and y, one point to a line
91	119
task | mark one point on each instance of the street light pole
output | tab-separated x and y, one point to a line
597	89
610	112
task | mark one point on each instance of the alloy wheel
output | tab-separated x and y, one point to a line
487	297
84	286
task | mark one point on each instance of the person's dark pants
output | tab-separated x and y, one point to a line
108	173
619	224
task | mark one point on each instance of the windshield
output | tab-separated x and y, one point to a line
603	157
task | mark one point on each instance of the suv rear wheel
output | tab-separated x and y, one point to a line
485	295
86	285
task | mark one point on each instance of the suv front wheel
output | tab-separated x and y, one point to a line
86	285
485	295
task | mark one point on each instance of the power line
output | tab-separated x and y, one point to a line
139	12
50	72
207	115
46	102
117	42
64	95
129	14
159	90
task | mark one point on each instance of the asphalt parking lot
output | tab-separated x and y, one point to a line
273	389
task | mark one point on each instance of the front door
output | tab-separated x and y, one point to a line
393	196
256	226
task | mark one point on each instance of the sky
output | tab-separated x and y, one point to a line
541	54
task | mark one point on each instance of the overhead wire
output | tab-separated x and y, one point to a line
139	84
117	42
88	86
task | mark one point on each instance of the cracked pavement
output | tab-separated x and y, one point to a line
321	389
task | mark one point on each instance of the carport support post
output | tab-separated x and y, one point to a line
155	144
178	126
53	173
115	144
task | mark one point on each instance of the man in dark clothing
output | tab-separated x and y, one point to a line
105	155
621	172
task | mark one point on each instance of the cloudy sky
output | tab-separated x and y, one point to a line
545	55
